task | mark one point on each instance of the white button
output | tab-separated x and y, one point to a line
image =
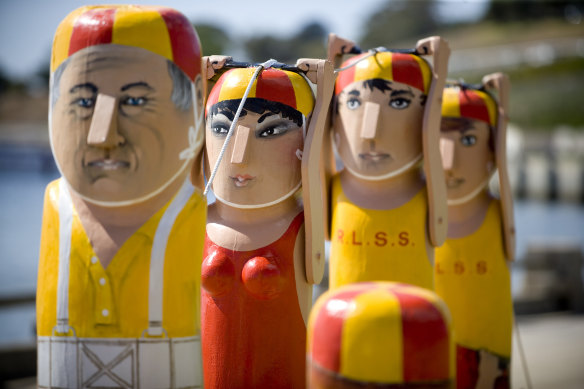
93	259
105	312
102	281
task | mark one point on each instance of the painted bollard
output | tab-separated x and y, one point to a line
123	228
380	335
388	205
264	249
472	267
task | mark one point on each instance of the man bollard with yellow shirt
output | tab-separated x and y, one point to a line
386	217
472	267
118	296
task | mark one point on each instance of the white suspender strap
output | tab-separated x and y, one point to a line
65	226
157	258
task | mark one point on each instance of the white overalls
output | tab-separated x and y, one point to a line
151	360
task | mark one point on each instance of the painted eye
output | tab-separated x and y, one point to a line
220	130
399	103
135	101
353	103
85	102
468	140
272	131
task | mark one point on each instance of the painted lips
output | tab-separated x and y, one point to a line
241	180
374	156
109	164
453	182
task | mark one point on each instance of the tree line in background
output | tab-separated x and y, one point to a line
400	23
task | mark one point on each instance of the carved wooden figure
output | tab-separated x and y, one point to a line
264	250
472	267
380	335
386	218
123	228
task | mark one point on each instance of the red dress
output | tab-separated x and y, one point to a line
253	334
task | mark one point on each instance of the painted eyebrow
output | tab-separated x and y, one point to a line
401	92
266	115
354	92
87	85
140	84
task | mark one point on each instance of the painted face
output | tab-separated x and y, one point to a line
115	132
260	164
378	126
466	156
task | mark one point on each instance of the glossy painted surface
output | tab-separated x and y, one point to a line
253	331
383	333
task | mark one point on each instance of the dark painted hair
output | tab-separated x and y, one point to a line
256	105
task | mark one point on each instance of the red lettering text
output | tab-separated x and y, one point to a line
380	239
404	238
355	240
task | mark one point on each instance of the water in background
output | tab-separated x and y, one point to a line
21	202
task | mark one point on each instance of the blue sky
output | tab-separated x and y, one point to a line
27	26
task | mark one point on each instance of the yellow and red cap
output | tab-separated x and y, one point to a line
382	332
408	69
282	86
469	103
161	30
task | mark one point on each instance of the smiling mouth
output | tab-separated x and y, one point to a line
374	156
109	164
453	182
241	180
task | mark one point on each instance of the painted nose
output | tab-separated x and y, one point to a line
238	156
447	152
370	120
103	131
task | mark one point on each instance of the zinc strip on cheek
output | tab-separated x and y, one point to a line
447	153
370	118
103	121
241	137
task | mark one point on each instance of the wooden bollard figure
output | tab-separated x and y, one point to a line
123	228
380	335
386	217
264	250
472	267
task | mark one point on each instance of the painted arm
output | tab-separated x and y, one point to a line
436	183
321	73
499	82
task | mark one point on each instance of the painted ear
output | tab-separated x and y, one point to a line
499	83
312	180
438	49
338	46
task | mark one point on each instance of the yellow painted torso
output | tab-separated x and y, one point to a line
122	288
472	276
379	245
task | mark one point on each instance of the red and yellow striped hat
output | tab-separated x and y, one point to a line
382	332
163	31
468	103
277	85
408	69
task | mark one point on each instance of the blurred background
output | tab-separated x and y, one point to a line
539	44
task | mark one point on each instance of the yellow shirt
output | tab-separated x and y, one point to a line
113	302
472	277
379	245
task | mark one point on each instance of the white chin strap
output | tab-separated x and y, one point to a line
195	139
391	174
264	205
471	195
